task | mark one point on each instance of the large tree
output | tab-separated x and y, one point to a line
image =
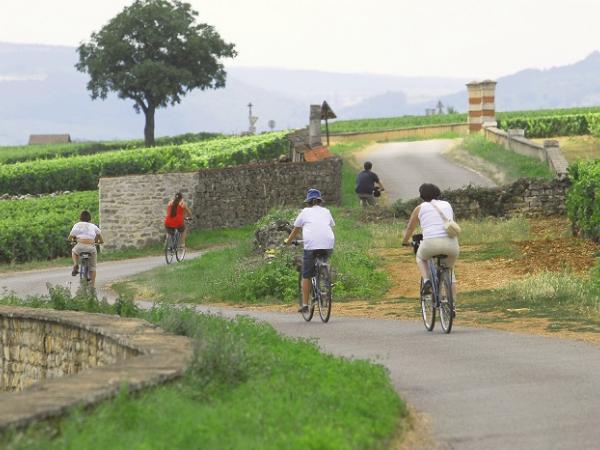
154	53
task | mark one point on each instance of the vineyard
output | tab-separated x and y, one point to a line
36	228
80	173
9	155
537	124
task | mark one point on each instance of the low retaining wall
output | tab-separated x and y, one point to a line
525	197
132	208
425	131
529	198
550	153
62	359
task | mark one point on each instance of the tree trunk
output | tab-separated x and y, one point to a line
149	127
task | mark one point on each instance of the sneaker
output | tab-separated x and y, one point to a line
75	271
426	289
303	309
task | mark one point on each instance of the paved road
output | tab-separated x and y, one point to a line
404	166
482	389
34	282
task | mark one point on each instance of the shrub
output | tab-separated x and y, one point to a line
583	207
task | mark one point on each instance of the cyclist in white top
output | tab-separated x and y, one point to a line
435	239
315	223
87	235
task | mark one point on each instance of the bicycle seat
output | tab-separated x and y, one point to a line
85	254
440	256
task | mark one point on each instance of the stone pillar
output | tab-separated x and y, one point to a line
475	106
488	103
556	160
314	126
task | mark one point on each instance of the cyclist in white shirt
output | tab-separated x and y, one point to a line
87	235
435	238
315	223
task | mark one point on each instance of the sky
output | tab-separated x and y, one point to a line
472	39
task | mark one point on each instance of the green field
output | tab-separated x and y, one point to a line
392	123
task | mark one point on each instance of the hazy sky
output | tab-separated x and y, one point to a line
464	38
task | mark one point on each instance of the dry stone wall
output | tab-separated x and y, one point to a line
132	208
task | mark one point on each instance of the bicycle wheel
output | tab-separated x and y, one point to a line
169	246
84	271
308	315
179	250
427	309
446	300
324	292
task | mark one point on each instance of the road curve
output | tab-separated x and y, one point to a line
404	166
483	389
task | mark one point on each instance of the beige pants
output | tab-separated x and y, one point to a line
439	246
87	248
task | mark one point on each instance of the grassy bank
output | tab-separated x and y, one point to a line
511	165
246	388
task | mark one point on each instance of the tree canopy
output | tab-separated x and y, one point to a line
154	53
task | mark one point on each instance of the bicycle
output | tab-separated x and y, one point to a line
441	297
84	266
320	291
172	247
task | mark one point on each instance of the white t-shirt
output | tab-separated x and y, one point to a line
85	230
431	221
316	223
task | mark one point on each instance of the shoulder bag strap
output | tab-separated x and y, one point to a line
444	218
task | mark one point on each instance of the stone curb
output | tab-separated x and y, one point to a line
161	357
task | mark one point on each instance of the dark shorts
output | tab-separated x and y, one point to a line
308	261
172	230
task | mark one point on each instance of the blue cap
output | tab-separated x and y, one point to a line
313	194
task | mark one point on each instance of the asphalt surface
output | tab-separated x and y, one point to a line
403	166
34	282
482	389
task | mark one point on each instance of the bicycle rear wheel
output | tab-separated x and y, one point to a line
427	309
308	315
446	300
84	271
324	292
169	248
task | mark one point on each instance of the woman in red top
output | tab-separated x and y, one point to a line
177	212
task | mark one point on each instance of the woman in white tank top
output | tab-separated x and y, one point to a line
435	239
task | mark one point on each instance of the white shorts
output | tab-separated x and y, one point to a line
87	248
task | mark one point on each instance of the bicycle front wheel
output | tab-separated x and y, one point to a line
427	309
169	246
179	250
324	292
308	315
446	300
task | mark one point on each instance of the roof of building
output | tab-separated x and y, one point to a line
317	154
49	138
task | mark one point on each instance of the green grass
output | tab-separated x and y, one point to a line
493	230
446	135
393	123
245	388
513	164
350	169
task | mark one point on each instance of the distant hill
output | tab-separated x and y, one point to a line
42	93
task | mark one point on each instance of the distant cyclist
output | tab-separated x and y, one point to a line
87	235
365	185
315	223
177	212
435	239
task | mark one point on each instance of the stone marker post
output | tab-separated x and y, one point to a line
314	126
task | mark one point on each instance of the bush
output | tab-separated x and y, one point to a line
80	173
583	205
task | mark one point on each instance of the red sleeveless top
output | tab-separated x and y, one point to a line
177	221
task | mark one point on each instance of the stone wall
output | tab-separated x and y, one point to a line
34	350
78	359
525	197
530	198
132	208
424	131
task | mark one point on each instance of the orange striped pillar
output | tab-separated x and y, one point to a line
488	103
475	106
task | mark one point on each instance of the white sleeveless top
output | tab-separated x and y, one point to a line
431	221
